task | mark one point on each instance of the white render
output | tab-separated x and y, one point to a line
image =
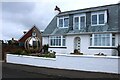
45	40
84	45
59	50
106	64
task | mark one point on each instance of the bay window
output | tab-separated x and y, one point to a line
57	40
102	40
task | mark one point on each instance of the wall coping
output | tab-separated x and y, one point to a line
88	56
67	55
25	56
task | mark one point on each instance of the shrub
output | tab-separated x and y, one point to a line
21	52
45	48
76	52
100	54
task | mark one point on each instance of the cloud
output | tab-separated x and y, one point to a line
18	7
19	16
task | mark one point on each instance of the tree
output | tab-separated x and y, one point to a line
9	42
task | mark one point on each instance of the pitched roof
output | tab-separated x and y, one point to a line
86	9
28	34
50	28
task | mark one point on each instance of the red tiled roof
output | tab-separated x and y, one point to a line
25	36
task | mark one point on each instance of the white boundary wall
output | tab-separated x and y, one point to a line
107	64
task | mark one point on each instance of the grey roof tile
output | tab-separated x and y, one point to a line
60	31
112	24
50	28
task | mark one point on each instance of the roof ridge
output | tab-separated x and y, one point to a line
89	8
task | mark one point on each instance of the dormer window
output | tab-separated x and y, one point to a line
79	21
98	18
63	22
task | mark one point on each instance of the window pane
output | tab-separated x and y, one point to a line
82	22
56	42
76	22
102	40
113	41
33	34
60	22
99	40
59	42
107	41
94	19
53	42
63	42
66	22
101	18
95	40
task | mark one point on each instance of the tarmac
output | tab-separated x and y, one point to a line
61	72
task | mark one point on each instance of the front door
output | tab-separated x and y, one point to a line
77	43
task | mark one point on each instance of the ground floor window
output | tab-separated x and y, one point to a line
57	41
102	40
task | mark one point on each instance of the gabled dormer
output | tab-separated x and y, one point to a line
63	22
79	21
98	18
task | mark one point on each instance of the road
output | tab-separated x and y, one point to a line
24	71
8	72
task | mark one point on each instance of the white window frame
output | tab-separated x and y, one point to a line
93	35
58	42
79	16
98	13
33	34
113	37
63	21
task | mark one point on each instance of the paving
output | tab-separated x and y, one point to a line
11	70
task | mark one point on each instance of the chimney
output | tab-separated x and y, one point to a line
12	38
24	32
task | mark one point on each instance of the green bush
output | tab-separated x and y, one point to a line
21	52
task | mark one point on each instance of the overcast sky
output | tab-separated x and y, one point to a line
20	16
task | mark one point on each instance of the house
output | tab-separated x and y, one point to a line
31	40
90	31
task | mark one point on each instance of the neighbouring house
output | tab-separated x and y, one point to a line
90	31
31	40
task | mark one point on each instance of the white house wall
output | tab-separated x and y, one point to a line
70	43
85	42
45	40
84	45
117	39
59	50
